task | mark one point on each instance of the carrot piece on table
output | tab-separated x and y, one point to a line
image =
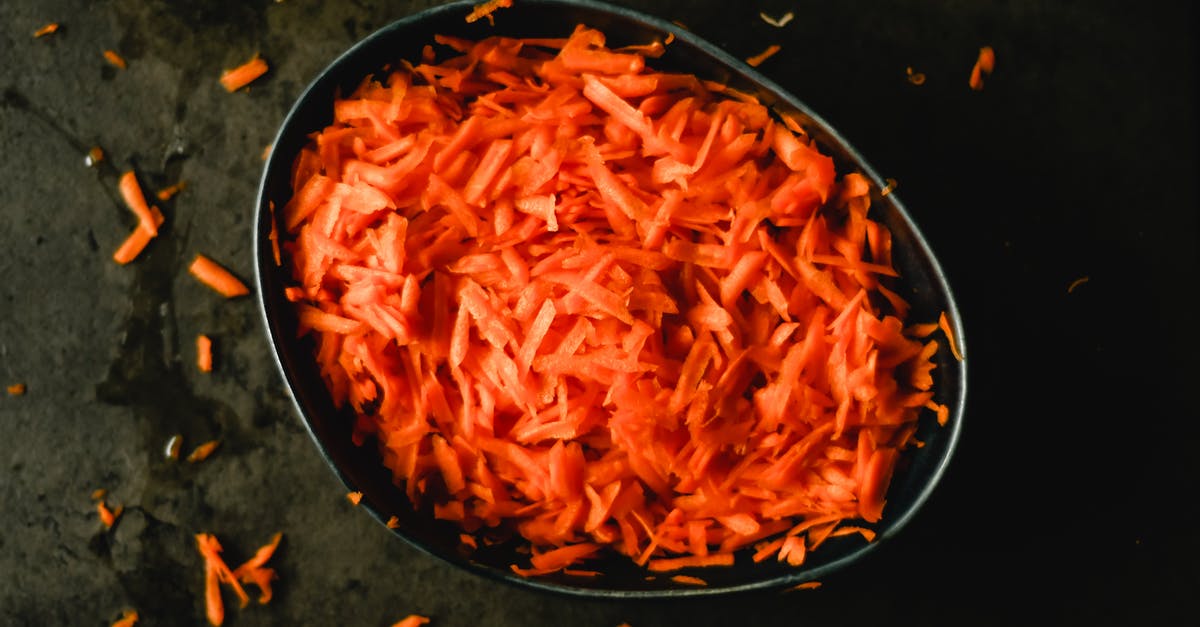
758	59
16	389
202	452
254	570
131	193
216	572
204	355
984	64
412	620
129	618
217	277
354	497
168	192
778	22
392	523
1076	283
137	240
52	27
98	493
233	79
115	59
689	579
173	447
107	516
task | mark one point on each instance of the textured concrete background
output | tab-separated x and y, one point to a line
1071	499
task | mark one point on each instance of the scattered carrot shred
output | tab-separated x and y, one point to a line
1076	283
808	585
890	187
217	572
354	497
984	64
115	59
217	277
254	570
52	27
169	192
238	77
129	618
769	52
174	446
412	620
689	579
606	308
202	452
266	151
204	357
99	493
944	325
392	523
486	10
16	389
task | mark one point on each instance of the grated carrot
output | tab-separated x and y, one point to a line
202	452
217	277
354	497
169	192
1076	283
137	240
984	64
52	27
107	516
233	79
204	353
392	523
131	193
128	619
115	59
16	389
216	572
758	59
412	620
609	309
254	570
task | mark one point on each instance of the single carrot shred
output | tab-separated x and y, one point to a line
129	618
392	523
115	59
1076	283
486	10
202	452
757	60
94	157
605	308
107	516
216	572
984	64
169	192
131	193
233	79
217	277
412	620
98	493
52	27
944	325
916	78
204	357
807	585
16	389
354	497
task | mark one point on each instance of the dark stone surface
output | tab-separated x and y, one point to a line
1071	499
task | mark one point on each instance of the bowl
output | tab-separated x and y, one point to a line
361	468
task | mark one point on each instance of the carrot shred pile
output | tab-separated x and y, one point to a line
217	572
603	307
236	78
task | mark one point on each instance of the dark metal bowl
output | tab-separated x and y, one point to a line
361	468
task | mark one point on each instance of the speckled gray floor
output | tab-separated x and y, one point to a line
1078	159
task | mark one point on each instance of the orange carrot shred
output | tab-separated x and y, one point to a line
131	193
128	619
137	240
16	389
689	579
984	64
98	493
217	277
204	355
169	192
115	59
1076	283
758	59
604	308
238	77
944	325
201	453
486	10
808	585
916	78
392	523
107	516
412	620
52	27
354	497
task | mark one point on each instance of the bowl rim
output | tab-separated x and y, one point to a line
891	526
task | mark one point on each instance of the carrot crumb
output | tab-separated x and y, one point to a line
16	389
412	620
201	453
808	585
217	277
984	64
204	355
94	157
1076	283
758	59
114	59
944	325
392	523
128	619
107	516
266	152
52	27
486	9
354	497
236	78
916	78
98	494
167	193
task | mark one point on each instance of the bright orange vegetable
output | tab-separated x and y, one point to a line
217	277
52	27
354	497
984	64
412	620
236	78
758	59
608	308
216	572
254	570
16	389
204	353
202	452
115	59
486	10
128	619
